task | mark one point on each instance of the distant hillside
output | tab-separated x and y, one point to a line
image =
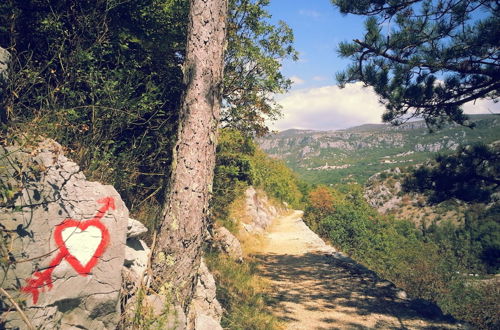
357	153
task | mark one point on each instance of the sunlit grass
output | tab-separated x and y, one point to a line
242	293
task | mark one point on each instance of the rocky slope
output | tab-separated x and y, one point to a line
357	153
384	192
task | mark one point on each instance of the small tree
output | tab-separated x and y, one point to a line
321	199
252	66
436	55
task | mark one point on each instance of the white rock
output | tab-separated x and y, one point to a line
135	228
401	294
136	260
228	243
205	322
205	310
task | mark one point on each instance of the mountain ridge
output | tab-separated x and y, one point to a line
356	153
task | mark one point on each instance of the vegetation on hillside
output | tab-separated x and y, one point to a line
432	265
241	163
472	174
242	293
355	154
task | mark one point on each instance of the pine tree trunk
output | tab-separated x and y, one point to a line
177	254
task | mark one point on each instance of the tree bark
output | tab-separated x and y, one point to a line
177	255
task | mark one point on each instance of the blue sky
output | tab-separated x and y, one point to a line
318	28
315	102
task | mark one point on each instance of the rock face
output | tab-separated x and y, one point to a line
4	63
66	240
137	255
205	309
4	76
227	243
259	209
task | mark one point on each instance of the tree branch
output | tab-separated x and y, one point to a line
457	68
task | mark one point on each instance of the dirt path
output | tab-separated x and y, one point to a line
316	288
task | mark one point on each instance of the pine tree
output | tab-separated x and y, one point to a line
425	58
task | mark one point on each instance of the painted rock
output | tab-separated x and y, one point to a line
65	242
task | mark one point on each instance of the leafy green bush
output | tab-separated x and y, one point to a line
276	179
241	163
102	78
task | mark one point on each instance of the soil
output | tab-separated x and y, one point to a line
316	287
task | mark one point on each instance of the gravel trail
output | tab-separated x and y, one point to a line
315	287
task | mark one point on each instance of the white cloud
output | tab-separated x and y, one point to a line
329	107
296	80
319	78
481	106
309	13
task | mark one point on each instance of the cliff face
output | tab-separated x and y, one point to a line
384	192
357	153
259	210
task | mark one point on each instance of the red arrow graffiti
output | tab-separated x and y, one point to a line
42	281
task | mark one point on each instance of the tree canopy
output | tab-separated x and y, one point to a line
104	79
252	66
425	58
471	175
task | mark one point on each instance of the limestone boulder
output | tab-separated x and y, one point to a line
227	243
135	228
259	209
205	309
137	254
4	64
135	265
5	60
66	239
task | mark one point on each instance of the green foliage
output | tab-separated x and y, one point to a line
103	79
252	74
239	164
472	175
276	179
476	302
435	56
233	172
426	264
366	149
241	293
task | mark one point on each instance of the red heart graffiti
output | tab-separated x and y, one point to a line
67	246
42	280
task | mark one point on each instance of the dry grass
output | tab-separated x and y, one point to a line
243	294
